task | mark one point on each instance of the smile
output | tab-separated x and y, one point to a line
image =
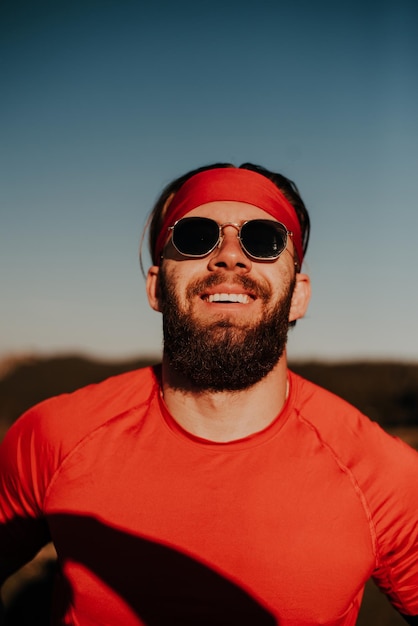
240	298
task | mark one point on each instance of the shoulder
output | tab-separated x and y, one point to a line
317	402
65	419
381	469
353	438
38	442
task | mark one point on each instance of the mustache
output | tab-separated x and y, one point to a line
245	282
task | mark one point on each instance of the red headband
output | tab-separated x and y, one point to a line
236	184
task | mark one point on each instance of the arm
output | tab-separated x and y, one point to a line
20	574
396	524
28	592
23	529
411	619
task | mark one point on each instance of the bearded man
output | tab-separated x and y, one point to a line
218	488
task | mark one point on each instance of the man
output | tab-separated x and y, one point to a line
220	488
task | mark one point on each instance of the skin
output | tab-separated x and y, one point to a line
213	415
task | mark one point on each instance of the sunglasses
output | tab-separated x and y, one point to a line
260	239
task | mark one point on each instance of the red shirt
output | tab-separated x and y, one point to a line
155	526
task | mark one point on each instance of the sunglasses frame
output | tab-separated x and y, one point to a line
279	226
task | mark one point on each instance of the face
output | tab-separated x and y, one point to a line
224	311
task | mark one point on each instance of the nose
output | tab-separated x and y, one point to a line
229	254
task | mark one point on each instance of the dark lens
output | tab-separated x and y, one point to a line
195	236
264	239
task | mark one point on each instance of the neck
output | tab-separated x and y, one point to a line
223	416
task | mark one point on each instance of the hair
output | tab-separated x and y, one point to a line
286	186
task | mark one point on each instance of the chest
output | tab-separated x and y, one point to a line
278	529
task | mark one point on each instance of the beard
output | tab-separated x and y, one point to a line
221	355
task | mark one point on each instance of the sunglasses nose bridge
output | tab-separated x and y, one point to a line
221	231
233	224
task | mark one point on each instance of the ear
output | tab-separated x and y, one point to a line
301	297
153	291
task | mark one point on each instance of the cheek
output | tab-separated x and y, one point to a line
173	288
280	280
283	290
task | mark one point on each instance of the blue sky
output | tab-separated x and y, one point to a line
104	102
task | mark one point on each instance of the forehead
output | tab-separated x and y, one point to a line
223	211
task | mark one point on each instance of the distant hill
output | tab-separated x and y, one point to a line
386	392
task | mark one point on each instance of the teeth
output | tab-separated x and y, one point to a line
229	297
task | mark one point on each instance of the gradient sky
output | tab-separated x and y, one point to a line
104	102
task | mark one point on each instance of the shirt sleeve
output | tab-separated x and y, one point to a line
394	500
25	470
